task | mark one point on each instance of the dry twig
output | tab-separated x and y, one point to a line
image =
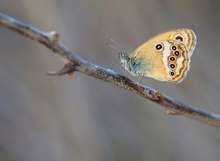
75	63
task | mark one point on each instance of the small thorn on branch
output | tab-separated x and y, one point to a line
54	36
68	69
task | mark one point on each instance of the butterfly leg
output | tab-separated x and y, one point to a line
140	77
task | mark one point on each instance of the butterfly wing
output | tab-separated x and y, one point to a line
187	37
183	35
161	62
175	60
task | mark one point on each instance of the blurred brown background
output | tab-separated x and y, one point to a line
45	118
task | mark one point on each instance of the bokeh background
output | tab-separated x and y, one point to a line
44	118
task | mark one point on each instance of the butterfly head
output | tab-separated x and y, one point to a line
123	57
125	60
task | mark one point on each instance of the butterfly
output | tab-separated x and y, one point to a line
165	57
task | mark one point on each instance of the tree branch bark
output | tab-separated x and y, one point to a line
76	64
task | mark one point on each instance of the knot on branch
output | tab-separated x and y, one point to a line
157	96
53	36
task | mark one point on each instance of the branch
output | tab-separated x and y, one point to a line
75	64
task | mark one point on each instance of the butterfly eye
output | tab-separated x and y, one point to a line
172	73
179	38
159	47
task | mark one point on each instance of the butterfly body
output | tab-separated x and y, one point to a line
165	57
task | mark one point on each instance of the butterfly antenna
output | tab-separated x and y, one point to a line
114	46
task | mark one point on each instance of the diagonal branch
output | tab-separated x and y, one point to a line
75	63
